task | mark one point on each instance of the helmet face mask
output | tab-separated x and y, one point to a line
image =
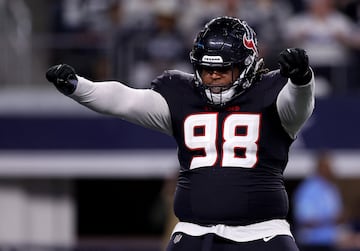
225	43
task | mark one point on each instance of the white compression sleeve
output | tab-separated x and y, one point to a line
144	107
295	105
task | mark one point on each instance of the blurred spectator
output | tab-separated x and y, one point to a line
159	47
350	236
268	18
82	15
318	208
351	8
104	39
195	13
15	42
140	12
328	35
82	31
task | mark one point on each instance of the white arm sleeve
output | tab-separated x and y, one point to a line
144	107
295	105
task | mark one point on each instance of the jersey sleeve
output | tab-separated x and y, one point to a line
295	105
143	107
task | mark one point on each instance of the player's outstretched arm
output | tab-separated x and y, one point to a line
296	100
144	107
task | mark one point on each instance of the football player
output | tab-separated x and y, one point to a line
233	122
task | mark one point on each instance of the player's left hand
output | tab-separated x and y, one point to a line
294	64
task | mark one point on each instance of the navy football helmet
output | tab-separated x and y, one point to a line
226	42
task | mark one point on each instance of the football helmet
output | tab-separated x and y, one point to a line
226	42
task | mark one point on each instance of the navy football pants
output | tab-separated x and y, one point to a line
211	242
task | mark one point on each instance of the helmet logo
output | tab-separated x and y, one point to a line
212	59
249	43
249	39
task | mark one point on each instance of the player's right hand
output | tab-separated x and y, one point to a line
64	78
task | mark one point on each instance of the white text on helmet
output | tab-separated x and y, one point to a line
212	59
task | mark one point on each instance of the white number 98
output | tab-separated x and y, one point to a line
200	133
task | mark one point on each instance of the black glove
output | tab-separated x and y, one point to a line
294	64
63	77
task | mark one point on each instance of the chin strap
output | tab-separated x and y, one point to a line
221	98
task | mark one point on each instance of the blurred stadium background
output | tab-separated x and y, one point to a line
71	179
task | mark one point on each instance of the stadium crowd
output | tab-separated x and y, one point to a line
148	36
110	38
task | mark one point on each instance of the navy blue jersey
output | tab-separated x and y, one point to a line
231	158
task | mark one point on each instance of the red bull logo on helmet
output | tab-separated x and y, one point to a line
249	39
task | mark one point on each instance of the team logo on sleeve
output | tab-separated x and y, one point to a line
177	238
